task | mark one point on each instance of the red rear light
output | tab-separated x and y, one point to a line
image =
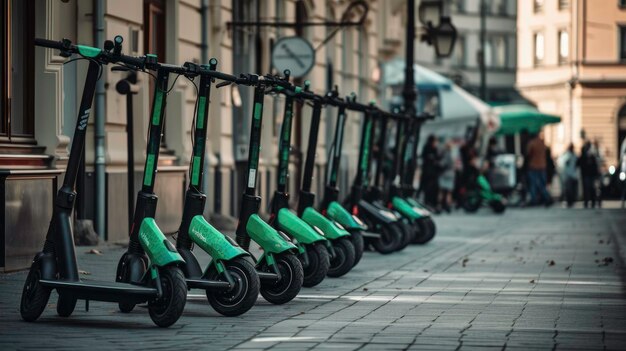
324	211
355	210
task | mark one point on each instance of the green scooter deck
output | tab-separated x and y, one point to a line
317	220
266	236
212	241
340	215
297	228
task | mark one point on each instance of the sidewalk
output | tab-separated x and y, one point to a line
530	279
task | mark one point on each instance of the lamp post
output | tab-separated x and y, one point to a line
439	32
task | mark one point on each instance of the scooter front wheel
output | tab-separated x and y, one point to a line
66	305
290	283
343	261
497	206
472	202
34	296
389	240
242	296
319	264
408	233
356	237
427	230
165	310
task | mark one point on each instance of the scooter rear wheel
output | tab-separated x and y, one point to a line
166	310
292	277
34	296
343	261
242	296
427	230
356	237
389	240
66	305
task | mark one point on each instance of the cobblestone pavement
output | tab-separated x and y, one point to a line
530	279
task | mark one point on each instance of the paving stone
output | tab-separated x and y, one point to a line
388	301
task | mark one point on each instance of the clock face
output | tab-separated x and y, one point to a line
295	54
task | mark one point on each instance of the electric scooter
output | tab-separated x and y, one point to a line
378	219
427	228
131	267
279	269
480	192
383	191
342	251
312	246
230	281
418	220
159	280
329	205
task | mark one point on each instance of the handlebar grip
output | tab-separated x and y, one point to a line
138	62
224	76
52	44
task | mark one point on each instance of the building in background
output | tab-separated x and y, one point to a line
571	62
500	49
40	95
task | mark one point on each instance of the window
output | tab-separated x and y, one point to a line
563	46
539	48
499	7
538	5
563	4
460	52
17	62
499	51
622	43
488	54
621	3
457	6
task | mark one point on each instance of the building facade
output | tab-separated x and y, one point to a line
463	67
571	60
40	96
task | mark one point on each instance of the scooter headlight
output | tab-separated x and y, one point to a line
390	215
622	176
611	170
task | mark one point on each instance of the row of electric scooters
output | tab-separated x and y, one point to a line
299	248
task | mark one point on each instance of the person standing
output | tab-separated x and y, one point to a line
446	179
537	163
588	163
430	171
550	167
568	163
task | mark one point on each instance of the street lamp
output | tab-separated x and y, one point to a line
430	12
444	37
438	29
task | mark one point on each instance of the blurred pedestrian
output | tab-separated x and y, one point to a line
550	167
568	163
446	179
597	184
588	164
537	164
430	171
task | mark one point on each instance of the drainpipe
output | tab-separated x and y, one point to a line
99	124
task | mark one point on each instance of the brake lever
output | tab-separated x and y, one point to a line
223	84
